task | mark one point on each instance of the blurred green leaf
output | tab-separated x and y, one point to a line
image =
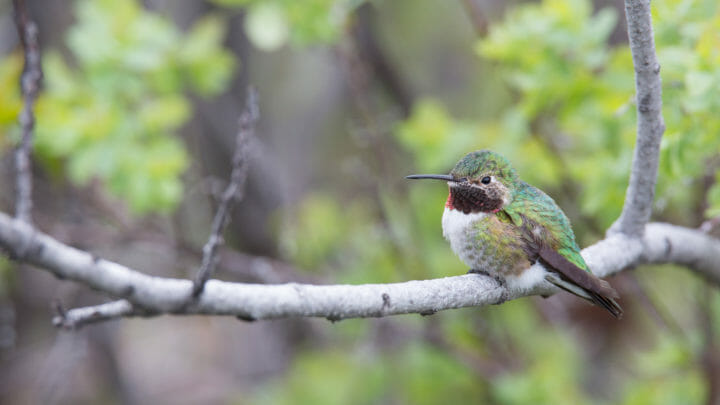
114	116
271	22
204	62
671	377
10	100
267	26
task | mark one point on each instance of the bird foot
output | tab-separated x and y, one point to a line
500	280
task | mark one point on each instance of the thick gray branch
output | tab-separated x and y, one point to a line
147	295
641	189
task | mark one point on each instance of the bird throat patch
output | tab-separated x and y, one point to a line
473	199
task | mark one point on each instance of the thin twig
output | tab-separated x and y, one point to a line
232	193
30	84
709	225
643	176
78	317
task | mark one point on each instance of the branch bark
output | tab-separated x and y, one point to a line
641	188
30	85
146	295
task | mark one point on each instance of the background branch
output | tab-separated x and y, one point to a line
30	84
232	193
97	313
643	176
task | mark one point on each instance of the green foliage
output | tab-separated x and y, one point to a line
321	228
7	277
432	129
10	101
575	90
691	81
332	234
270	24
552	378
574	117
330	377
417	374
114	116
671	376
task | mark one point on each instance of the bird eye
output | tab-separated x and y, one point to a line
485	180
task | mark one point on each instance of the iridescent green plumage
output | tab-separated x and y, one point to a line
526	203
499	224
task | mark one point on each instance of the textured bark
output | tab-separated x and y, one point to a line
30	85
641	188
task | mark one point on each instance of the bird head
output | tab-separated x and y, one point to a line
482	181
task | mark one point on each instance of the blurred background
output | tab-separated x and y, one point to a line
136	125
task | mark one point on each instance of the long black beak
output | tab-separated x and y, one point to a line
445	177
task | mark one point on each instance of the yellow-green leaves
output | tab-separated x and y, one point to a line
576	92
436	140
202	59
112	116
266	26
413	374
10	101
273	23
671	375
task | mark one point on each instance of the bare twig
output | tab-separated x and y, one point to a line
641	189
232	193
709	225
80	316
30	84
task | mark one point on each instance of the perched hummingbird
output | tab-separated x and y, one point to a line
500	225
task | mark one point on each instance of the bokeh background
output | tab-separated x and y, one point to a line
135	129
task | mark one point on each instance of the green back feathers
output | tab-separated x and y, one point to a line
485	163
540	208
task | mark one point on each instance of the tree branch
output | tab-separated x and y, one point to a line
80	316
641	188
149	295
232	193
30	84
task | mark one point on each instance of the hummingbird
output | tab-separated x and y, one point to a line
501	226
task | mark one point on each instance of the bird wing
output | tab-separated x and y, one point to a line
549	238
543	223
576	275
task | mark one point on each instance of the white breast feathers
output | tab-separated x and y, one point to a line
457	230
